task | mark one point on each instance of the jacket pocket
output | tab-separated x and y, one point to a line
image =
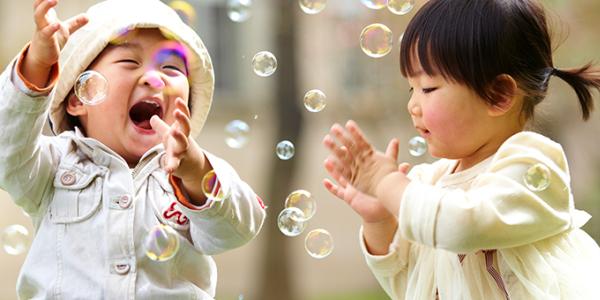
77	194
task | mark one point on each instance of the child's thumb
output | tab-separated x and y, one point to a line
404	168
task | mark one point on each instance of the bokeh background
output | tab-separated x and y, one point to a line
322	52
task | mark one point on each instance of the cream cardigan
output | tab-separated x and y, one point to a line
541	252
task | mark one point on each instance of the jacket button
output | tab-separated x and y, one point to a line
125	201
122	269
68	178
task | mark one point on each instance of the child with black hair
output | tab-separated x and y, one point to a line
494	218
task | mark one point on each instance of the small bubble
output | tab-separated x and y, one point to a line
314	100
185	11
161	243
304	201
318	243
312	7
264	63
291	221
417	146
91	87
15	239
537	177
285	150
239	10
400	7
212	188
236	134
376	40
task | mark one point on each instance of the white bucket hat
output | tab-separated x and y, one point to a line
107	20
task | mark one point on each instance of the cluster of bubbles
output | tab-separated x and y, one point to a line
15	239
300	207
161	243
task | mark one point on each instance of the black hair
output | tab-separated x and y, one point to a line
472	42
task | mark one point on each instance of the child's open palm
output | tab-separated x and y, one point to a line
356	161
175	137
50	33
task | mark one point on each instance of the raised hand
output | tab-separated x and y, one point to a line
50	35
355	160
174	137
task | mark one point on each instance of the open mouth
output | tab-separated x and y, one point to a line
141	112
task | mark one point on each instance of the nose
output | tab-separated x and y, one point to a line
414	109
153	79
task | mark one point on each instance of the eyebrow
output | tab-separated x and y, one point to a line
125	45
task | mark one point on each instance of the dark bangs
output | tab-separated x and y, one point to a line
473	41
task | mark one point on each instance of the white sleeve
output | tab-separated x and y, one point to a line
230	223
27	158
498	211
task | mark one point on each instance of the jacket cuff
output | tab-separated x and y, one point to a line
418	213
28	87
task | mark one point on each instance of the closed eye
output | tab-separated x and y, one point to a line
128	61
429	90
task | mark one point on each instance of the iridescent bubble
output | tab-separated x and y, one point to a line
537	177
291	221
236	134
285	150
161	243
314	100
304	201
374	4
239	10
376	40
312	7
212	188
401	7
417	146
91	87
185	11
15	239
318	243
264	63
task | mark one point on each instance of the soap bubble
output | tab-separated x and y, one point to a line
318	243
401	7
537	177
291	221
239	10
264	63
302	200
312	7
161	243
417	146
15	239
212	188
374	4
91	87
314	100
185	11
285	150
236	134
376	40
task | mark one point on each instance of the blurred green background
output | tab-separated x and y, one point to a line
322	52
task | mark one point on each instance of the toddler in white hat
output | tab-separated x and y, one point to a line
117	198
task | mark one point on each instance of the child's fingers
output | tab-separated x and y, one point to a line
404	168
183	121
340	152
393	149
336	171
159	125
181	105
40	13
76	22
333	189
48	31
338	132
357	136
181	142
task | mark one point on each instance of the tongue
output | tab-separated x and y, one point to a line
144	124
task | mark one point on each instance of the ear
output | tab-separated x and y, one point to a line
75	107
504	91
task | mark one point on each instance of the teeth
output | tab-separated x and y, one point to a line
151	102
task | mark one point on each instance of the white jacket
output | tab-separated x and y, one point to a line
517	243
92	212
